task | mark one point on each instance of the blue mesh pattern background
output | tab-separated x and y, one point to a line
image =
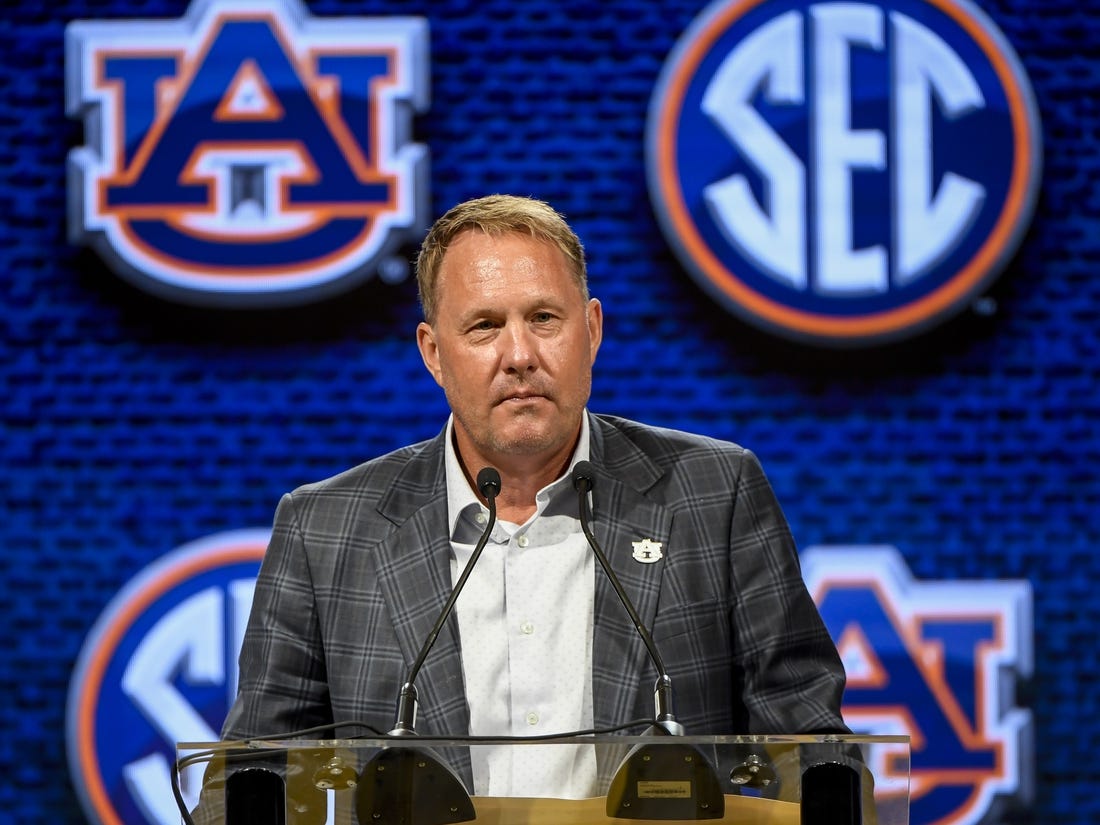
131	426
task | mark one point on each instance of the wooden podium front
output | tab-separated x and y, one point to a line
739	810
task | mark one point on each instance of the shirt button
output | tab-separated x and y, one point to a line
527	628
532	718
522	541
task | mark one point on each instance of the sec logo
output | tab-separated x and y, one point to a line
248	154
159	667
843	173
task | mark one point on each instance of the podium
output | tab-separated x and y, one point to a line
740	780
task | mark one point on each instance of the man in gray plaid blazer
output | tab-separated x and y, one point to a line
360	565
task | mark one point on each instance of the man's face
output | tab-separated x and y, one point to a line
512	347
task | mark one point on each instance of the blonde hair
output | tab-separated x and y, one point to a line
495	215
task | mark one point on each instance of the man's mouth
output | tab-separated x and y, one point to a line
519	397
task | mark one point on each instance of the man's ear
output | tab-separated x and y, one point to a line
429	351
594	317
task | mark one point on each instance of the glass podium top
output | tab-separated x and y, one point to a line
419	780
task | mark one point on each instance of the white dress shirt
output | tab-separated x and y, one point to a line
525	621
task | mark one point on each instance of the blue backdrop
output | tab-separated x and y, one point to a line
131	425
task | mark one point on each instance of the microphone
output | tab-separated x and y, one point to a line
488	483
397	779
653	782
583	483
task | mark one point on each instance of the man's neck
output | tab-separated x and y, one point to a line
521	479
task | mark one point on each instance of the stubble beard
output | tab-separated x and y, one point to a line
525	432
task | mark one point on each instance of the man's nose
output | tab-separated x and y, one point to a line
519	348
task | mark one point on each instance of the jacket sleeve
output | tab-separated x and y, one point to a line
786	665
283	680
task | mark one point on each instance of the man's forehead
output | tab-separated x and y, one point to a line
473	235
491	258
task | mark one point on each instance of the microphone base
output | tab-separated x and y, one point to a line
673	781
407	786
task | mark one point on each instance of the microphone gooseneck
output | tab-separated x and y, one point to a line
488	484
673	765
583	482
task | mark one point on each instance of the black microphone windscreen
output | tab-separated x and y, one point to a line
583	473
488	482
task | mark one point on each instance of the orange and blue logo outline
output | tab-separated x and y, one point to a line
160	585
941	663
158	210
732	284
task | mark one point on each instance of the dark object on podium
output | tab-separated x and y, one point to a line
255	796
273	787
831	795
672	781
406	786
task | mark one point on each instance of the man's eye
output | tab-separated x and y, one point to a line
543	317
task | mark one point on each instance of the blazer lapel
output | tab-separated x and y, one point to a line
622	516
414	573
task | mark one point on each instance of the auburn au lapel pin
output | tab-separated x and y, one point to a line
647	551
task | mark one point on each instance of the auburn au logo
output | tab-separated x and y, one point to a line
247	154
843	173
159	667
938	661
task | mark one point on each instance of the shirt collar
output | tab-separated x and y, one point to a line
460	495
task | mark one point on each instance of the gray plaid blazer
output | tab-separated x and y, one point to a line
358	569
